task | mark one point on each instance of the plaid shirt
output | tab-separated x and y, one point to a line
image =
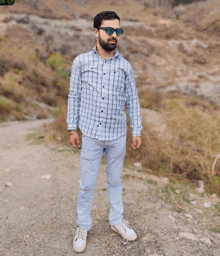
99	90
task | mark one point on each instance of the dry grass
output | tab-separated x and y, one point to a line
152	99
25	77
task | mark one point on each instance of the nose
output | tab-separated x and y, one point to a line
114	34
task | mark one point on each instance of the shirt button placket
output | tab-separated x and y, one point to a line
103	95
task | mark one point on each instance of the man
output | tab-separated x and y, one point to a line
102	82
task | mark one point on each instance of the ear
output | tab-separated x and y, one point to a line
96	31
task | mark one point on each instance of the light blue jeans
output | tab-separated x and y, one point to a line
91	156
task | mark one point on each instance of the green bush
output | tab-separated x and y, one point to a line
6	106
57	62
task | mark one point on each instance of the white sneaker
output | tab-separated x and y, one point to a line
125	231
79	241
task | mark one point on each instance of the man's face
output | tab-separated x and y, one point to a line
108	42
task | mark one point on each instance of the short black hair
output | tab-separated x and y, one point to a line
106	15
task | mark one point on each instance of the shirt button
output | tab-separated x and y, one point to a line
100	123
101	110
103	98
103	73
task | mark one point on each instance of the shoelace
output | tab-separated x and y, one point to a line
80	234
125	224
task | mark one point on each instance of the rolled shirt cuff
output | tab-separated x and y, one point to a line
136	133
72	127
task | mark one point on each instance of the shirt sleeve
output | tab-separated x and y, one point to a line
133	105
74	97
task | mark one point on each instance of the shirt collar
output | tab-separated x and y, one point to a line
94	50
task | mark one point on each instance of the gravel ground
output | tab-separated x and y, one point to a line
38	215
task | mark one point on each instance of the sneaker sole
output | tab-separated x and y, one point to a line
79	249
129	238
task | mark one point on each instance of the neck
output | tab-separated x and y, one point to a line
103	53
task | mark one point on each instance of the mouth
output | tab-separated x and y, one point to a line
112	41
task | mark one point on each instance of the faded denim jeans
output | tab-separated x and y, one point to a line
91	156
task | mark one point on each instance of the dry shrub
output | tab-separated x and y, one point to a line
190	153
194	127
152	151
8	62
59	126
196	139
11	89
6	106
211	25
43	113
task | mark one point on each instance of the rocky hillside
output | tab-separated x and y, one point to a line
173	49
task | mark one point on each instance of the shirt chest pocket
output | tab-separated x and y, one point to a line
89	75
117	81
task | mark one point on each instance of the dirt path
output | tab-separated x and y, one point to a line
38	216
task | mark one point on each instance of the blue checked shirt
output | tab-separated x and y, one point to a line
99	90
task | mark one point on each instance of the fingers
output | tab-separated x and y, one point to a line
134	145
75	140
78	144
136	142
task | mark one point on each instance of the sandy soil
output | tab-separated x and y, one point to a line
38	215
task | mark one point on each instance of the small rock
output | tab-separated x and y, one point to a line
200	183
193	202
171	217
165	22
207	205
199	211
206	240
7	170
200	190
180	10
8	184
138	165
189	216
177	191
46	176
188	236
213	196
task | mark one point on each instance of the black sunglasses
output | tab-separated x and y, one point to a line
110	31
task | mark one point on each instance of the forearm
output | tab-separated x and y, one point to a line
135	120
133	105
74	97
73	111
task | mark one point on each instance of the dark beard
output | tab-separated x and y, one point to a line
108	46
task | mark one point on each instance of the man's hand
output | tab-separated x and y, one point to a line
75	140
136	142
